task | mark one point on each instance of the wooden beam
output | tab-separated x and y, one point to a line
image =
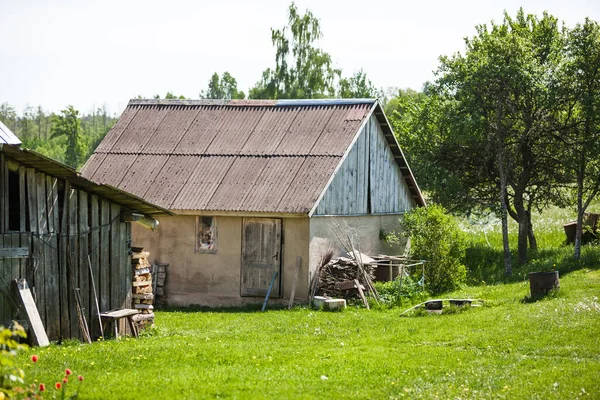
14	252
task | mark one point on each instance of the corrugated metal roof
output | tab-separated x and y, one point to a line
7	137
250	155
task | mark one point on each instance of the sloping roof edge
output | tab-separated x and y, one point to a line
7	137
411	182
49	166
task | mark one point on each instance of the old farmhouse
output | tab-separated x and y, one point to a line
253	185
61	232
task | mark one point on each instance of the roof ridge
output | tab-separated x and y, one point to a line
251	102
166	153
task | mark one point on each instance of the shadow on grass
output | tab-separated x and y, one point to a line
486	264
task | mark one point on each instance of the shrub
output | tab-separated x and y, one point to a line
436	237
399	293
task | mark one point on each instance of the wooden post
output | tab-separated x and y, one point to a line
104	267
84	274
64	288
50	243
73	262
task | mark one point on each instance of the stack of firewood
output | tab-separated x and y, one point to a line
340	270
143	297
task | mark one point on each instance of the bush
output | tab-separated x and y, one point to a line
436	237
396	293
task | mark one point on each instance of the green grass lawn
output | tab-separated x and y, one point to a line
506	349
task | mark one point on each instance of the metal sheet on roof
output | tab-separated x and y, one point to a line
7	137
236	130
202	183
237	183
170	131
202	131
140	176
141	129
275	180
171	179
270	130
312	177
117	130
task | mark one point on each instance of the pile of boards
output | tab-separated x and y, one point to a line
142	293
338	271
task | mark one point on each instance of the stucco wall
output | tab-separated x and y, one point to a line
213	279
366	230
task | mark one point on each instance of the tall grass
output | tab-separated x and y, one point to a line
484	257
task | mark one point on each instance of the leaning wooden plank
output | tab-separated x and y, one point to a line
38	334
125	268
361	293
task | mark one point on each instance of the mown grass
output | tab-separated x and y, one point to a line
506	349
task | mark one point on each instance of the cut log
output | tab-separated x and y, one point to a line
143	306
144	254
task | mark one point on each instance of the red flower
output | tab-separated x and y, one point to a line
42	387
68	371
34	358
65	380
57	385
80	377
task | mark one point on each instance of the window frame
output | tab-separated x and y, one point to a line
213	230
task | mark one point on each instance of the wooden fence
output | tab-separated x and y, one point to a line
73	237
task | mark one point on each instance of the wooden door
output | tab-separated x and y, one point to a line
261	256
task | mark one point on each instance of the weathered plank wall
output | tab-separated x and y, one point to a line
369	181
71	237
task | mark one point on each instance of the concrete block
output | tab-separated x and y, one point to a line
335	304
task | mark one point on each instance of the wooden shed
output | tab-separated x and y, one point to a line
254	185
59	230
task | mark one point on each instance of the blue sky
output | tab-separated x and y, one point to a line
90	53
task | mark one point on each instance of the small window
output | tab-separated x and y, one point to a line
206	234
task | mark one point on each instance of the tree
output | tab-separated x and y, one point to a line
302	71
580	138
67	124
497	119
358	86
8	116
224	87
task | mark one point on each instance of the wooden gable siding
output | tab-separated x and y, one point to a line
369	181
61	226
